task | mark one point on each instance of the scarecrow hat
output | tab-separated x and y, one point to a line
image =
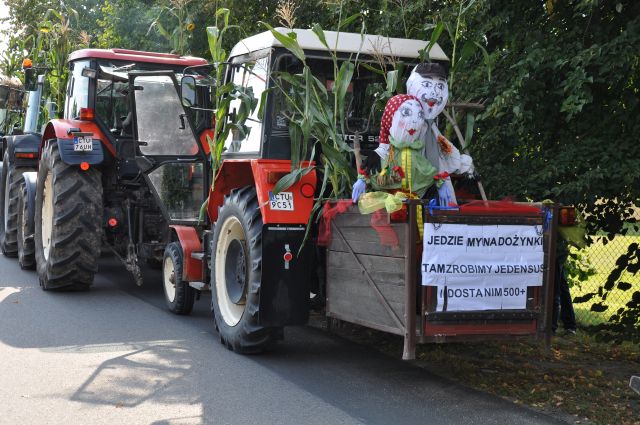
430	70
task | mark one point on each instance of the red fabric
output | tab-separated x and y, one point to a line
328	214
387	116
498	208
380	224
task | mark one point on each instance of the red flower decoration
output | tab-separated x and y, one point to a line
399	170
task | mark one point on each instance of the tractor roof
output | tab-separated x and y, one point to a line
347	43
136	56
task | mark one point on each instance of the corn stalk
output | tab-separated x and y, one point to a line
179	14
316	116
57	41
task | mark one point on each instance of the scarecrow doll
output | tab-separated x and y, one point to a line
403	169
428	83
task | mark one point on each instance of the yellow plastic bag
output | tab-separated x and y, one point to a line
374	201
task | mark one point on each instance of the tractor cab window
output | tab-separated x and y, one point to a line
77	91
112	105
253	76
163	126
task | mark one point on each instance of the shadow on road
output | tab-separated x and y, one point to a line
156	357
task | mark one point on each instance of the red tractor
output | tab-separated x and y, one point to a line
251	253
93	190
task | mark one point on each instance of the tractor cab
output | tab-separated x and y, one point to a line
256	61
253	256
98	87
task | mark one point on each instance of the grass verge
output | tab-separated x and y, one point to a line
581	380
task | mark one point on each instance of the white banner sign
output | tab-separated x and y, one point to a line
482	267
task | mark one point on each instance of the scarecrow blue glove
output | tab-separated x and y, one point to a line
444	195
359	187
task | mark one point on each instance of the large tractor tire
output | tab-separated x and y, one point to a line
26	245
68	223
9	189
236	274
177	293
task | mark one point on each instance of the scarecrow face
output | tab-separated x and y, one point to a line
433	92
407	122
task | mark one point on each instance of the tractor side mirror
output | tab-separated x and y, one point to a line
30	79
188	91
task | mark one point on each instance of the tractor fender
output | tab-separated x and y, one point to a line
22	149
284	288
190	242
30	181
71	157
62	131
264	174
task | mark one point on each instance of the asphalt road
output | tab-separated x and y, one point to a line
115	355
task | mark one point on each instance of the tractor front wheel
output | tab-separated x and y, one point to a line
68	223
177	293
10	182
26	246
236	274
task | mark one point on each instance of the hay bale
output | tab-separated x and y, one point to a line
15	92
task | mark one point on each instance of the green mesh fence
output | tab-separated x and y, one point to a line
595	263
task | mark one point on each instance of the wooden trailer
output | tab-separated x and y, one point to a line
379	285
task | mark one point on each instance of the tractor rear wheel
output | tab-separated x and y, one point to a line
26	246
68	223
236	274
177	293
9	189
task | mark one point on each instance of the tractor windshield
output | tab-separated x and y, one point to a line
361	118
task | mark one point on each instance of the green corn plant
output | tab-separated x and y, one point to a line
316	117
56	40
180	14
223	95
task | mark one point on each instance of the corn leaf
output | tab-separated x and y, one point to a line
341	85
349	20
372	68
471	120
487	59
435	35
288	41
317	30
290	179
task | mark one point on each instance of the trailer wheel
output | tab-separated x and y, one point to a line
68	223
237	273
26	245
177	293
9	189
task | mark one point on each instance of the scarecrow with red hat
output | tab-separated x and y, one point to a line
427	85
403	167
